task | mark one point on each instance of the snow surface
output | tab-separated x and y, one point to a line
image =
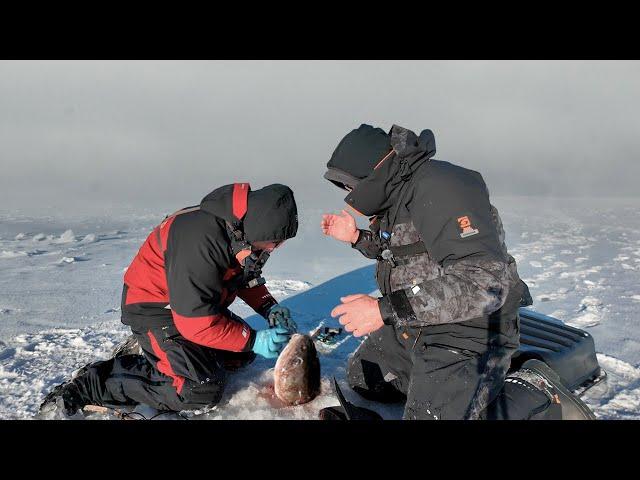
60	286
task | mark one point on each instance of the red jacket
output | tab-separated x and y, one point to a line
184	275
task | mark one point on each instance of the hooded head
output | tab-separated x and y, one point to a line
271	212
356	155
372	164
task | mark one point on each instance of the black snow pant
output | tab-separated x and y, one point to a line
172	374
445	373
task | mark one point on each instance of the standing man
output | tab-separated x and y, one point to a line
443	332
175	298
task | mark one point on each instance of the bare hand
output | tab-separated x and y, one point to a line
359	314
341	227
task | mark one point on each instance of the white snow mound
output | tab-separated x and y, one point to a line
90	238
64	260
66	237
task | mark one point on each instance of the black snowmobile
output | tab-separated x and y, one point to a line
569	351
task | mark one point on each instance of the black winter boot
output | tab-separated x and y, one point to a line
540	375
65	398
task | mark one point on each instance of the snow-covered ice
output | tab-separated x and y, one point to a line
60	287
11	254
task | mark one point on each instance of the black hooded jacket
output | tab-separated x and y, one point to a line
185	274
460	267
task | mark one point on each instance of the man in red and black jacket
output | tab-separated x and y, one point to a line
175	298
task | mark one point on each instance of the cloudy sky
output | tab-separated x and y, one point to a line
148	133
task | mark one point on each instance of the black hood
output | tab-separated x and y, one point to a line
378	190
271	215
356	155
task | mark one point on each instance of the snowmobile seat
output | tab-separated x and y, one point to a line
569	351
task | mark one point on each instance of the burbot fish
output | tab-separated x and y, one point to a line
297	371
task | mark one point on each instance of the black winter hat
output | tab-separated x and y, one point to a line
357	154
272	214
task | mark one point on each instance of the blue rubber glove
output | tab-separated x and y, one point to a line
281	316
270	342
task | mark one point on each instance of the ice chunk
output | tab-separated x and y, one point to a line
90	238
590	310
66	237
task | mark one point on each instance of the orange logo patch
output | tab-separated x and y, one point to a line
465	225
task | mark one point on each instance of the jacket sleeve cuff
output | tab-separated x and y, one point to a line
264	309
386	310
353	245
396	309
252	340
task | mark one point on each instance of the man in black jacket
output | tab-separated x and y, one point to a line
443	332
175	298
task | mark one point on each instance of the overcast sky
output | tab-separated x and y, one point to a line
79	133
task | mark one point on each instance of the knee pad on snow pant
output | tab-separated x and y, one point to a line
379	368
206	393
367	380
443	384
453	383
